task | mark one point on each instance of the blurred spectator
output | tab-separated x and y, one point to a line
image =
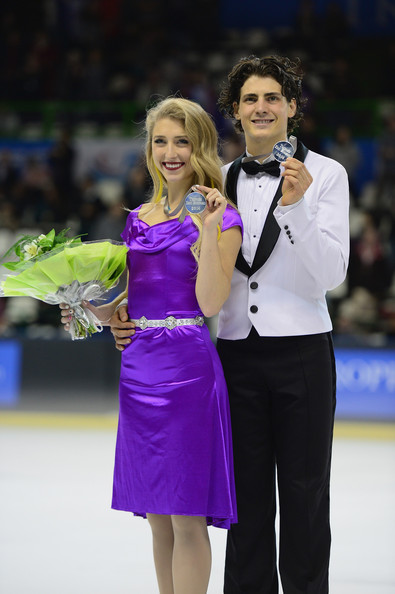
4	322
154	87
94	75
308	133
370	262
196	87
110	223
306	26
345	150
35	195
8	216
91	22
61	162
386	164
122	86
71	79
232	146
45	52
335	26
136	186
358	314
387	314
340	81
31	81
388	65
90	205
12	59
9	173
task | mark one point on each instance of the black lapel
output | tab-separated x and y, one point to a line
269	235
271	229
231	192
231	178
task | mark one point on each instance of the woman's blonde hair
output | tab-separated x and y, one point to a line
202	134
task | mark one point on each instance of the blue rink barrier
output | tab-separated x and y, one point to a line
365	384
365	377
10	372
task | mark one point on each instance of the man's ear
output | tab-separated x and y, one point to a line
292	108
236	110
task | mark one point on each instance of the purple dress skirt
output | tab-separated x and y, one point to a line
174	444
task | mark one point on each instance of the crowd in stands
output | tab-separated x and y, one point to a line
120	51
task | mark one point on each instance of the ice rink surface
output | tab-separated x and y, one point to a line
58	534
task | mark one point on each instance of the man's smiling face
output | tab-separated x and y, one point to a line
263	113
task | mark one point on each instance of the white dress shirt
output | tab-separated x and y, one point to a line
286	297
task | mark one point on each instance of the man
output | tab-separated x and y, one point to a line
274	335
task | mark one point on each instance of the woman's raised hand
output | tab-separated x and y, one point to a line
216	205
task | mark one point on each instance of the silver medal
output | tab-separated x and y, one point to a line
195	203
282	150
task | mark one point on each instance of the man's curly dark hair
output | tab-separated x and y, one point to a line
286	72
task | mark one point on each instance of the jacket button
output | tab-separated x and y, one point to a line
285	226
288	232
254	285
253	308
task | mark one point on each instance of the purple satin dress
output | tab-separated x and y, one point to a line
174	448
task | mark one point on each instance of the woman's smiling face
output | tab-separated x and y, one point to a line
171	150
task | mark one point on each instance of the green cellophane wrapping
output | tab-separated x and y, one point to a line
102	261
71	274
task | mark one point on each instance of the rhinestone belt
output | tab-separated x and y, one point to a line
170	322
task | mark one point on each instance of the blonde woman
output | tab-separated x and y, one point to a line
173	462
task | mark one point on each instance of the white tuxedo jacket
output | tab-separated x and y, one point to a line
286	296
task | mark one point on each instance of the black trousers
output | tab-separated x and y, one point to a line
282	397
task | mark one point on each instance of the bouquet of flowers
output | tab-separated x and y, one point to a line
57	269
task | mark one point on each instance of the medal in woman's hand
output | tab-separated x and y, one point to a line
195	202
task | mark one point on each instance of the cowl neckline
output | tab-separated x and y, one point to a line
159	236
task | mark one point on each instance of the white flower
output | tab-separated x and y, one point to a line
31	250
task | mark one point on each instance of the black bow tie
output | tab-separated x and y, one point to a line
253	167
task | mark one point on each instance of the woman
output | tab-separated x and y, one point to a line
173	461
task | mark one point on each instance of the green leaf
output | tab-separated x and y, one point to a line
11	265
16	247
51	237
